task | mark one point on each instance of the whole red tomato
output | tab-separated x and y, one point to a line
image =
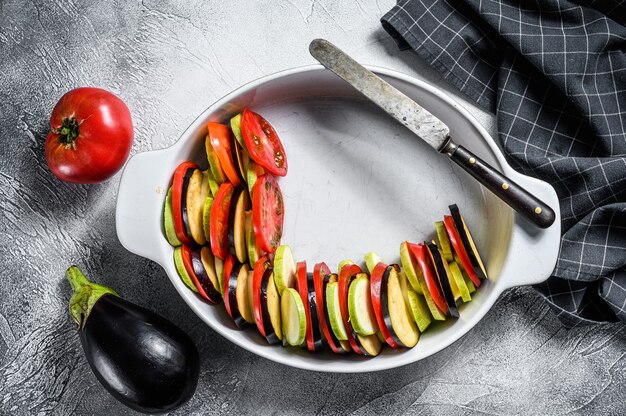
90	137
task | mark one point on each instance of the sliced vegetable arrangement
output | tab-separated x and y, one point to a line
226	224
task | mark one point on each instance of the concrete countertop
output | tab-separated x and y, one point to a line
168	63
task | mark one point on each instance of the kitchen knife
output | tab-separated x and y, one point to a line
430	129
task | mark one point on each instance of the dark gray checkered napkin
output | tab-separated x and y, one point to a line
554	73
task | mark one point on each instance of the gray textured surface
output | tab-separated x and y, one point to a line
169	62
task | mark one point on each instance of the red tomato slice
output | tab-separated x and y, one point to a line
177	200
268	213
219	135
263	144
319	271
423	260
219	220
228	268
457	244
375	292
259	270
259	250
344	282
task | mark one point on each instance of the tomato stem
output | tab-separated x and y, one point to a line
68	132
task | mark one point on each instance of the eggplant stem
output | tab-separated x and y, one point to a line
76	278
85	295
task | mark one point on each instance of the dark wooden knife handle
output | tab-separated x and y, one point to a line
517	197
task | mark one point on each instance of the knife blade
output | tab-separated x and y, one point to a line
430	129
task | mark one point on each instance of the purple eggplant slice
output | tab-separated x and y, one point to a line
442	276
270	332
203	277
315	323
186	179
384	300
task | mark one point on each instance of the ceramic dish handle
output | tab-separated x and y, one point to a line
140	202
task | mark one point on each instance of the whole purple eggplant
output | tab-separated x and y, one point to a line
142	359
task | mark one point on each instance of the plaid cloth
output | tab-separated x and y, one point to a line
554	73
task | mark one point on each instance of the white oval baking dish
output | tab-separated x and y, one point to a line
358	181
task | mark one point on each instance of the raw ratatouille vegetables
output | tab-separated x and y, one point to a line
226	224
